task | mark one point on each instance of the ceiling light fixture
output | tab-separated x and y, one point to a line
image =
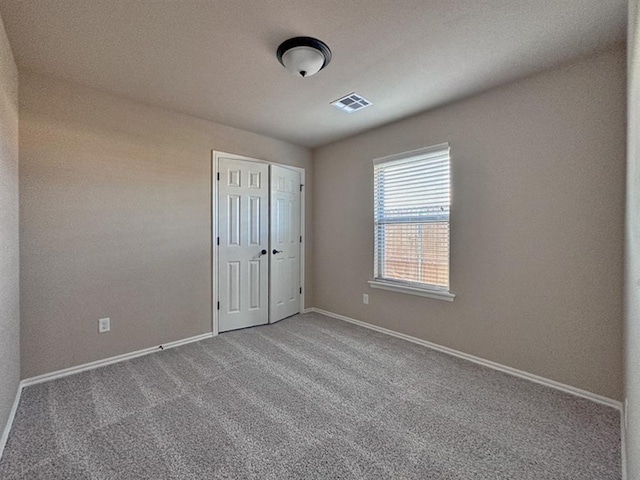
304	56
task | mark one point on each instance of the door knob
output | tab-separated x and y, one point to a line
276	251
263	252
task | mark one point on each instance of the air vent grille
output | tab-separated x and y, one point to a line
351	103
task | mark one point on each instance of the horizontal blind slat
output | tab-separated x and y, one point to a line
433	171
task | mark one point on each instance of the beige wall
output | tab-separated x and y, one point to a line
116	221
9	282
632	249
537	225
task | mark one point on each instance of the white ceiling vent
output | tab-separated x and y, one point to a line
351	103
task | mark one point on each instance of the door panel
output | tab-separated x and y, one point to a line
243	209
284	297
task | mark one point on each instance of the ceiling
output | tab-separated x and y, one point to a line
216	59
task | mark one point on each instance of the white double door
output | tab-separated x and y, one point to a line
258	243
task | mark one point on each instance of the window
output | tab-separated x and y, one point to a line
412	199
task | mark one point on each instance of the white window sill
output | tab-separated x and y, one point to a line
422	292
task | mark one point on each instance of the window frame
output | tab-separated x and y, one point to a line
402	286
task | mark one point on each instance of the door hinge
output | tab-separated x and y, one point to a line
300	238
218	176
301	187
218	241
300	290
218	305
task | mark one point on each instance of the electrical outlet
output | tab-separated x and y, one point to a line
365	299
104	325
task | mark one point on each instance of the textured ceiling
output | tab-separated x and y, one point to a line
215	59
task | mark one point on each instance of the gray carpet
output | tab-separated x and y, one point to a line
310	397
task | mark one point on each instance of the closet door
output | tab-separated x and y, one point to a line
243	255
285	240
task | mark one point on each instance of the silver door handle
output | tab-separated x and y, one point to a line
276	251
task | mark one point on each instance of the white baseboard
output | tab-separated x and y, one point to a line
108	361
481	361
12	415
623	440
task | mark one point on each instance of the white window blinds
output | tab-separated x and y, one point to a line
412	198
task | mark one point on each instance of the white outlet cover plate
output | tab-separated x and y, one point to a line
104	325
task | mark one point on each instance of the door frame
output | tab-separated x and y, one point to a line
215	155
